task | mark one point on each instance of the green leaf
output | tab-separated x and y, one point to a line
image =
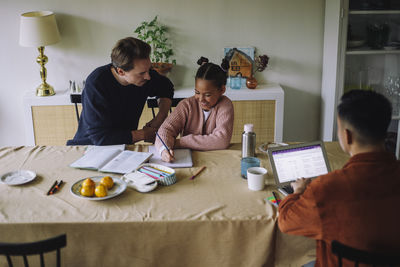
155	34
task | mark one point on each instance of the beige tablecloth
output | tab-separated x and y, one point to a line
213	220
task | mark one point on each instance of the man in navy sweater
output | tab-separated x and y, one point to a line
115	94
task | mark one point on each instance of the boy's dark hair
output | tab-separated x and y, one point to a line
127	50
368	112
212	72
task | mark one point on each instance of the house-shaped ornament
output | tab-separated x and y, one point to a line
240	63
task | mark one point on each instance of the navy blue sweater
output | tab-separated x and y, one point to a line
110	111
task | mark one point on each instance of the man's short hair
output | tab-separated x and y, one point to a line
127	50
368	112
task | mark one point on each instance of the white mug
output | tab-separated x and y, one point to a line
256	178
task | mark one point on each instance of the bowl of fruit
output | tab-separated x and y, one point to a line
98	187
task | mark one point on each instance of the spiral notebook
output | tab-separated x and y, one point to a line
183	158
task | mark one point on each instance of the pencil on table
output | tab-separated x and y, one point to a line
52	187
57	187
198	172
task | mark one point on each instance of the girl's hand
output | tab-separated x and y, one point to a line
167	157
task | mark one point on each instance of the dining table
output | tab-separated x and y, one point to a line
211	220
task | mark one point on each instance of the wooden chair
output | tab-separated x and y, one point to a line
33	248
153	103
360	256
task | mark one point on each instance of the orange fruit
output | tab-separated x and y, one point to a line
100	191
87	191
88	182
107	181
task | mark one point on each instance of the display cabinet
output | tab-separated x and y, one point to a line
361	51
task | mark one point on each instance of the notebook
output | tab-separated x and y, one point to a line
183	158
308	160
112	159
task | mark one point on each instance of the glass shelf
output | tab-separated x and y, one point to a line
369	51
373	12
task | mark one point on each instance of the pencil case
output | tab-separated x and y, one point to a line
167	176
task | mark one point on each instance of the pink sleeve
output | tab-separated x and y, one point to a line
173	125
220	137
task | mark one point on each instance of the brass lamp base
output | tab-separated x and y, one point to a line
45	90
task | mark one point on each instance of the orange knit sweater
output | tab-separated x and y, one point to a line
188	120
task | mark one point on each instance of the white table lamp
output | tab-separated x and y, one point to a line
38	29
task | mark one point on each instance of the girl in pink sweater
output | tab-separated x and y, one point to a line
205	120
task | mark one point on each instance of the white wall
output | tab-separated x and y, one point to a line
290	32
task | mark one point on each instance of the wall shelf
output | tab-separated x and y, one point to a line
367	51
374	12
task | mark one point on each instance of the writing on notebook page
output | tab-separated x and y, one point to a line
183	158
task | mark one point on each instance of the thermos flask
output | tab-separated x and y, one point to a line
248	141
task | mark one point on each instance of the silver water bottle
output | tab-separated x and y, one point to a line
248	141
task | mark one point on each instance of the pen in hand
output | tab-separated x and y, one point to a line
166	147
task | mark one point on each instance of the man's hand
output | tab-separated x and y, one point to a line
165	156
150	124
164	105
300	185
149	134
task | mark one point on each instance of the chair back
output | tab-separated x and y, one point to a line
34	248
153	103
76	99
365	257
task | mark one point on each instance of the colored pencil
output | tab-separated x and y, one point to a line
198	172
155	171
56	188
143	170
152	176
276	197
51	188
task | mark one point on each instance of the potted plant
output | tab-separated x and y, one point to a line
260	64
155	35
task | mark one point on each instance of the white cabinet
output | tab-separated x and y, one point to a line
361	50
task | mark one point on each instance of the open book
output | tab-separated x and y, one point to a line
111	159
183	158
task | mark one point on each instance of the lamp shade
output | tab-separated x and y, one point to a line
38	28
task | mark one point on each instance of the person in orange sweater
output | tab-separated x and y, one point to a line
205	120
356	205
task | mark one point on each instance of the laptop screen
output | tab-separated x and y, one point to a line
296	162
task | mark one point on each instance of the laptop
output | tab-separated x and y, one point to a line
308	160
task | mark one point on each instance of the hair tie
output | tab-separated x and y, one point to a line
224	65
202	60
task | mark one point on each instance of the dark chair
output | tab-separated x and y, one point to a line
153	103
38	247
360	256
76	99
